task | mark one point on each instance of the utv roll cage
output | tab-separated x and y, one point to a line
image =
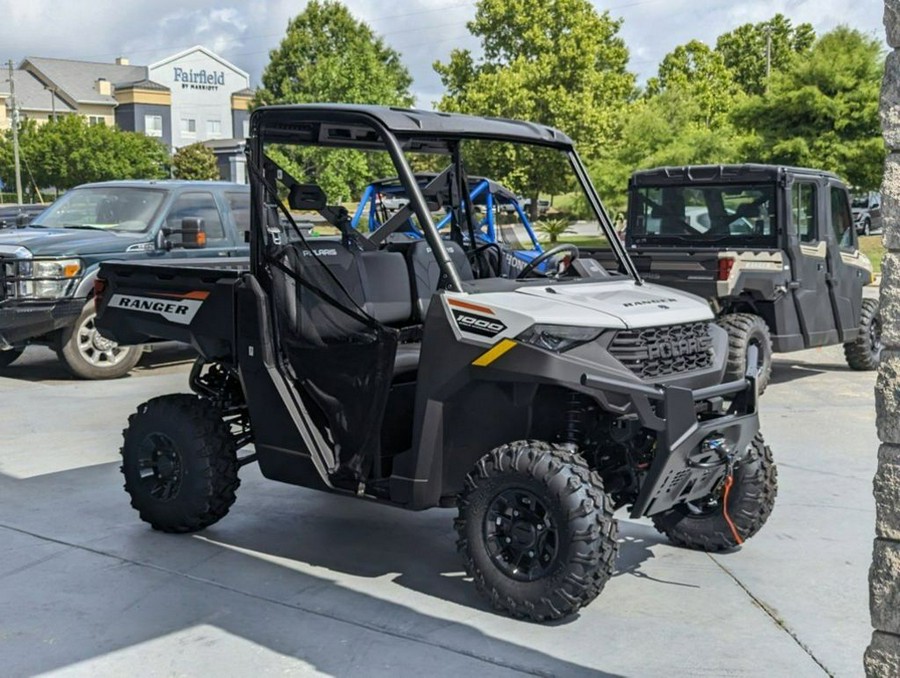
398	131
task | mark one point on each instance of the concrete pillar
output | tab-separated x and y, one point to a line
882	658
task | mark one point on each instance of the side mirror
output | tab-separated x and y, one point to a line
193	233
22	220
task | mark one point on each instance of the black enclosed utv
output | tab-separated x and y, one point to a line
772	248
405	369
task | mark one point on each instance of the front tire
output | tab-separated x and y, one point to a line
864	352
180	463
745	330
702	525
536	530
88	355
7	358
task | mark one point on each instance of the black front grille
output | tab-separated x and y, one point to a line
660	351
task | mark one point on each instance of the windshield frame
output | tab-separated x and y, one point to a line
70	194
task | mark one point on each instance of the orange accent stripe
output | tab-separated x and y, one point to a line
471	307
187	295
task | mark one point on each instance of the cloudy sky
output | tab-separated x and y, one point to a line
422	30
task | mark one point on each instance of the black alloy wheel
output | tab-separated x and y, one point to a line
160	466
520	535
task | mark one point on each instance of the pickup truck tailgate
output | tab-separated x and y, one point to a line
139	303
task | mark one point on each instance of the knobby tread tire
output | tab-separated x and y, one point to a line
208	457
750	504
859	353
743	328
586	527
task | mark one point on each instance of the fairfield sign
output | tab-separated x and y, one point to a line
202	79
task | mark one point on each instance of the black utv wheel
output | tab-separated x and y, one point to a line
7	358
863	352
702	524
179	463
746	330
536	530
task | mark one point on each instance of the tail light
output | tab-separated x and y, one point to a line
725	266
99	291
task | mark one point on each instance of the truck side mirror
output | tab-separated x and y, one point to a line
21	220
193	233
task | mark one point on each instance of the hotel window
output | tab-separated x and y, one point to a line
214	128
153	125
188	126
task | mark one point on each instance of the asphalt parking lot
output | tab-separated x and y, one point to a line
295	582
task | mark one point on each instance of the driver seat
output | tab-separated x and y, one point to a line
425	274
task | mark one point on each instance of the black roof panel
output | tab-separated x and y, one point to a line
403	123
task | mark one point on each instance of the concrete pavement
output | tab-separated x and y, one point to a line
294	582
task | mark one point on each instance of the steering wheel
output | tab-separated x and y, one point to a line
546	256
473	256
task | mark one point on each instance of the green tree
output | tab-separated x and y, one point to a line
666	129
69	151
701	74
822	111
329	55
744	49
556	62
196	162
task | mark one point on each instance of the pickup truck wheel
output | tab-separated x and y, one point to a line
864	352
180	463
7	358
89	355
701	525
746	330
536	530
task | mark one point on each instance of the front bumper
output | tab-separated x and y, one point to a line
21	322
683	469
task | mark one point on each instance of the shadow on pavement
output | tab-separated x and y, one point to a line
123	584
39	363
786	371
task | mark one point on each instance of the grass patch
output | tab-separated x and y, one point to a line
871	246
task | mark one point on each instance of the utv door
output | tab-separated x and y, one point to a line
809	241
845	281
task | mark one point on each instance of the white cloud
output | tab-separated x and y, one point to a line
422	30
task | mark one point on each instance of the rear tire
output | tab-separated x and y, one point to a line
88	355
702	525
179	463
745	330
7	358
864	352
536	530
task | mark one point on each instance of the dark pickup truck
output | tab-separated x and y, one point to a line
47	270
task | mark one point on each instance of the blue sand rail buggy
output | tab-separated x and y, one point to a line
502	221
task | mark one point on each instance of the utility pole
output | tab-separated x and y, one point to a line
768	55
15	131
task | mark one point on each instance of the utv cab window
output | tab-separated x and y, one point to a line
841	219
724	215
803	211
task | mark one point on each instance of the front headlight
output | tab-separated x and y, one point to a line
558	338
46	278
